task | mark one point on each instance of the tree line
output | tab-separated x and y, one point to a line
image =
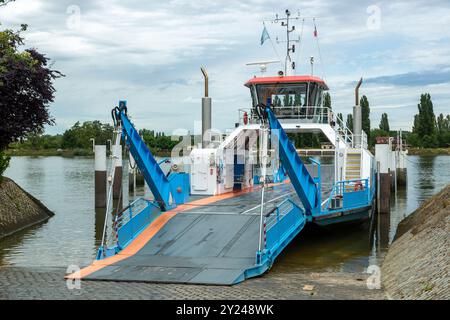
78	139
428	130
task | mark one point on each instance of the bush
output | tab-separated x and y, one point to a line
4	162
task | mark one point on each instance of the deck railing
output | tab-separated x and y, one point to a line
280	223
354	193
307	114
127	224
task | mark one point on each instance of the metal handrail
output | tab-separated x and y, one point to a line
320	115
281	210
121	219
337	189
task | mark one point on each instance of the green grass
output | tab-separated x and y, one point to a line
429	151
48	153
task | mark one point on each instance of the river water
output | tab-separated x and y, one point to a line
72	236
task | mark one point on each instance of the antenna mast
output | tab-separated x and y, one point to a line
289	65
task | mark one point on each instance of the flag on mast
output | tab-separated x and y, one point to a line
315	28
264	35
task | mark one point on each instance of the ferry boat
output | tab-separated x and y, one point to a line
244	197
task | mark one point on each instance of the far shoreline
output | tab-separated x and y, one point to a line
71	153
65	153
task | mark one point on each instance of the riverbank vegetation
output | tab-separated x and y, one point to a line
430	134
76	141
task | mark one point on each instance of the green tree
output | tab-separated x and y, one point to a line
384	122
79	135
425	122
443	130
349	122
277	101
340	119
327	100
297	100
365	115
26	90
287	100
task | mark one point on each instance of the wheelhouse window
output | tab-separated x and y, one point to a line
289	95
291	100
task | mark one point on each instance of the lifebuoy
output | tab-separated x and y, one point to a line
245	118
358	186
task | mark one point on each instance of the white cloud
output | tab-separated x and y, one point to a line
150	53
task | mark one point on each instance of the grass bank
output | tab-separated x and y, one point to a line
429	151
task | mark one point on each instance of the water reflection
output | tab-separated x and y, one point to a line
425	165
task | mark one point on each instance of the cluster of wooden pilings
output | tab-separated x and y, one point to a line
102	177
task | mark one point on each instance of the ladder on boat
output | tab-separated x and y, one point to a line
353	164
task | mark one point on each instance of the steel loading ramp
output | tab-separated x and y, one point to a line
207	241
192	248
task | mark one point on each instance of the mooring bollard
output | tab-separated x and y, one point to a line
100	176
117	185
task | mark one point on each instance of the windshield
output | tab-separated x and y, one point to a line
284	95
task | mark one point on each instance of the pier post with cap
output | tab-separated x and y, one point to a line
117	185
100	176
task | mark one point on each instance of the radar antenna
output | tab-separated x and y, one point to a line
262	65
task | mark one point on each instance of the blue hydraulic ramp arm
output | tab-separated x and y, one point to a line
305	186
157	181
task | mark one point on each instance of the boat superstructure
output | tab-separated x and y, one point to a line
244	197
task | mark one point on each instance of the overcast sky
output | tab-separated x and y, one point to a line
150	53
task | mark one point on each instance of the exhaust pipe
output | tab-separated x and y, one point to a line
357	118
206	112
357	92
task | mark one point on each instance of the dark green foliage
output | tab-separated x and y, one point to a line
349	122
26	89
425	121
158	141
78	137
297	100
327	100
374	133
307	140
277	101
384	122
429	131
4	163
340	119
365	113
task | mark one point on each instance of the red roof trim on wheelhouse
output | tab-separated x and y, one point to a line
285	79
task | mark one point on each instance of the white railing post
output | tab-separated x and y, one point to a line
264	140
